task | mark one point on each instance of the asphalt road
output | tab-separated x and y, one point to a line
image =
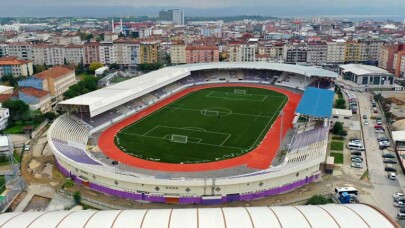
383	188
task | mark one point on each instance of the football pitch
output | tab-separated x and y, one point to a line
204	126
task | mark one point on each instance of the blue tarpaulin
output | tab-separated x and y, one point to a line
316	103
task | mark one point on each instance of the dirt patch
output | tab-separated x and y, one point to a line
17	201
37	203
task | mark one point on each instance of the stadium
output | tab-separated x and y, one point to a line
198	134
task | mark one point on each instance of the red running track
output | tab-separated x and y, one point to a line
259	158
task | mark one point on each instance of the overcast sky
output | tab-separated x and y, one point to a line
226	7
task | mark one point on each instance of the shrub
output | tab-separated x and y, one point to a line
319	200
77	196
68	184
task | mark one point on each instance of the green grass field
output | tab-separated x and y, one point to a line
204	126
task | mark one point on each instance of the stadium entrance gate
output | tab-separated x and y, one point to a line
232	197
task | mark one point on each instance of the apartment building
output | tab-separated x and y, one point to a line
107	53
335	52
74	54
91	52
386	56
149	51
15	67
399	63
126	52
317	53
352	52
178	52
242	52
51	55
3	50
296	53
202	54
22	51
369	50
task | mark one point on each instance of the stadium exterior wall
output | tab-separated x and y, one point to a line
230	189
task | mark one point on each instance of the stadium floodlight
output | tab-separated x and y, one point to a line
179	138
211	113
239	91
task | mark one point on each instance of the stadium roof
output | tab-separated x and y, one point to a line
360	69
316	103
331	215
104	99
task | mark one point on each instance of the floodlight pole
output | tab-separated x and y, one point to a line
281	127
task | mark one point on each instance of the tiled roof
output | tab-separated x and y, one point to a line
33	91
202	48
12	61
55	72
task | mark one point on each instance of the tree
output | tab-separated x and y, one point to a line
319	200
17	108
114	66
340	103
10	80
77	196
338	127
80	67
94	66
38	69
50	116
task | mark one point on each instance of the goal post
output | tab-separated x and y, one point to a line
179	138
211	113
239	91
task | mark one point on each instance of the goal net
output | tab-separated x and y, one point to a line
179	138
239	91
211	113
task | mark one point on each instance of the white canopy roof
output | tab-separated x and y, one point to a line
331	215
107	98
398	136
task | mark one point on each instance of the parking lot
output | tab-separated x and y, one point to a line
383	186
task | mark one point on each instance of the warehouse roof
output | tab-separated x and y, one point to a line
360	69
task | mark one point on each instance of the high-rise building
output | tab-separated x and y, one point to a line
176	16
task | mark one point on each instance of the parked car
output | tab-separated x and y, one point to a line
379	131
366	122
383	138
27	147
390	169
357	160
392	176
357	165
356	153
389	161
365	117
388	155
399	204
384	143
398	194
357	156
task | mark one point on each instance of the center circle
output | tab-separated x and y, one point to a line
216	111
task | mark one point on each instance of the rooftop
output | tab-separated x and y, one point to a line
316	103
33	92
12	61
55	72
360	69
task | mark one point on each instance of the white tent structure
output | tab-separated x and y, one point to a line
330	216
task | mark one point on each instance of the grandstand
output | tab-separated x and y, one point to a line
88	115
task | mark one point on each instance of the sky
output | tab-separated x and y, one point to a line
201	7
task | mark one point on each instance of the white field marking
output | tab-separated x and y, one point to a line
208	144
250	94
151	130
275	114
176	107
233	113
226	139
168	138
197	128
258	116
191	129
143	117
